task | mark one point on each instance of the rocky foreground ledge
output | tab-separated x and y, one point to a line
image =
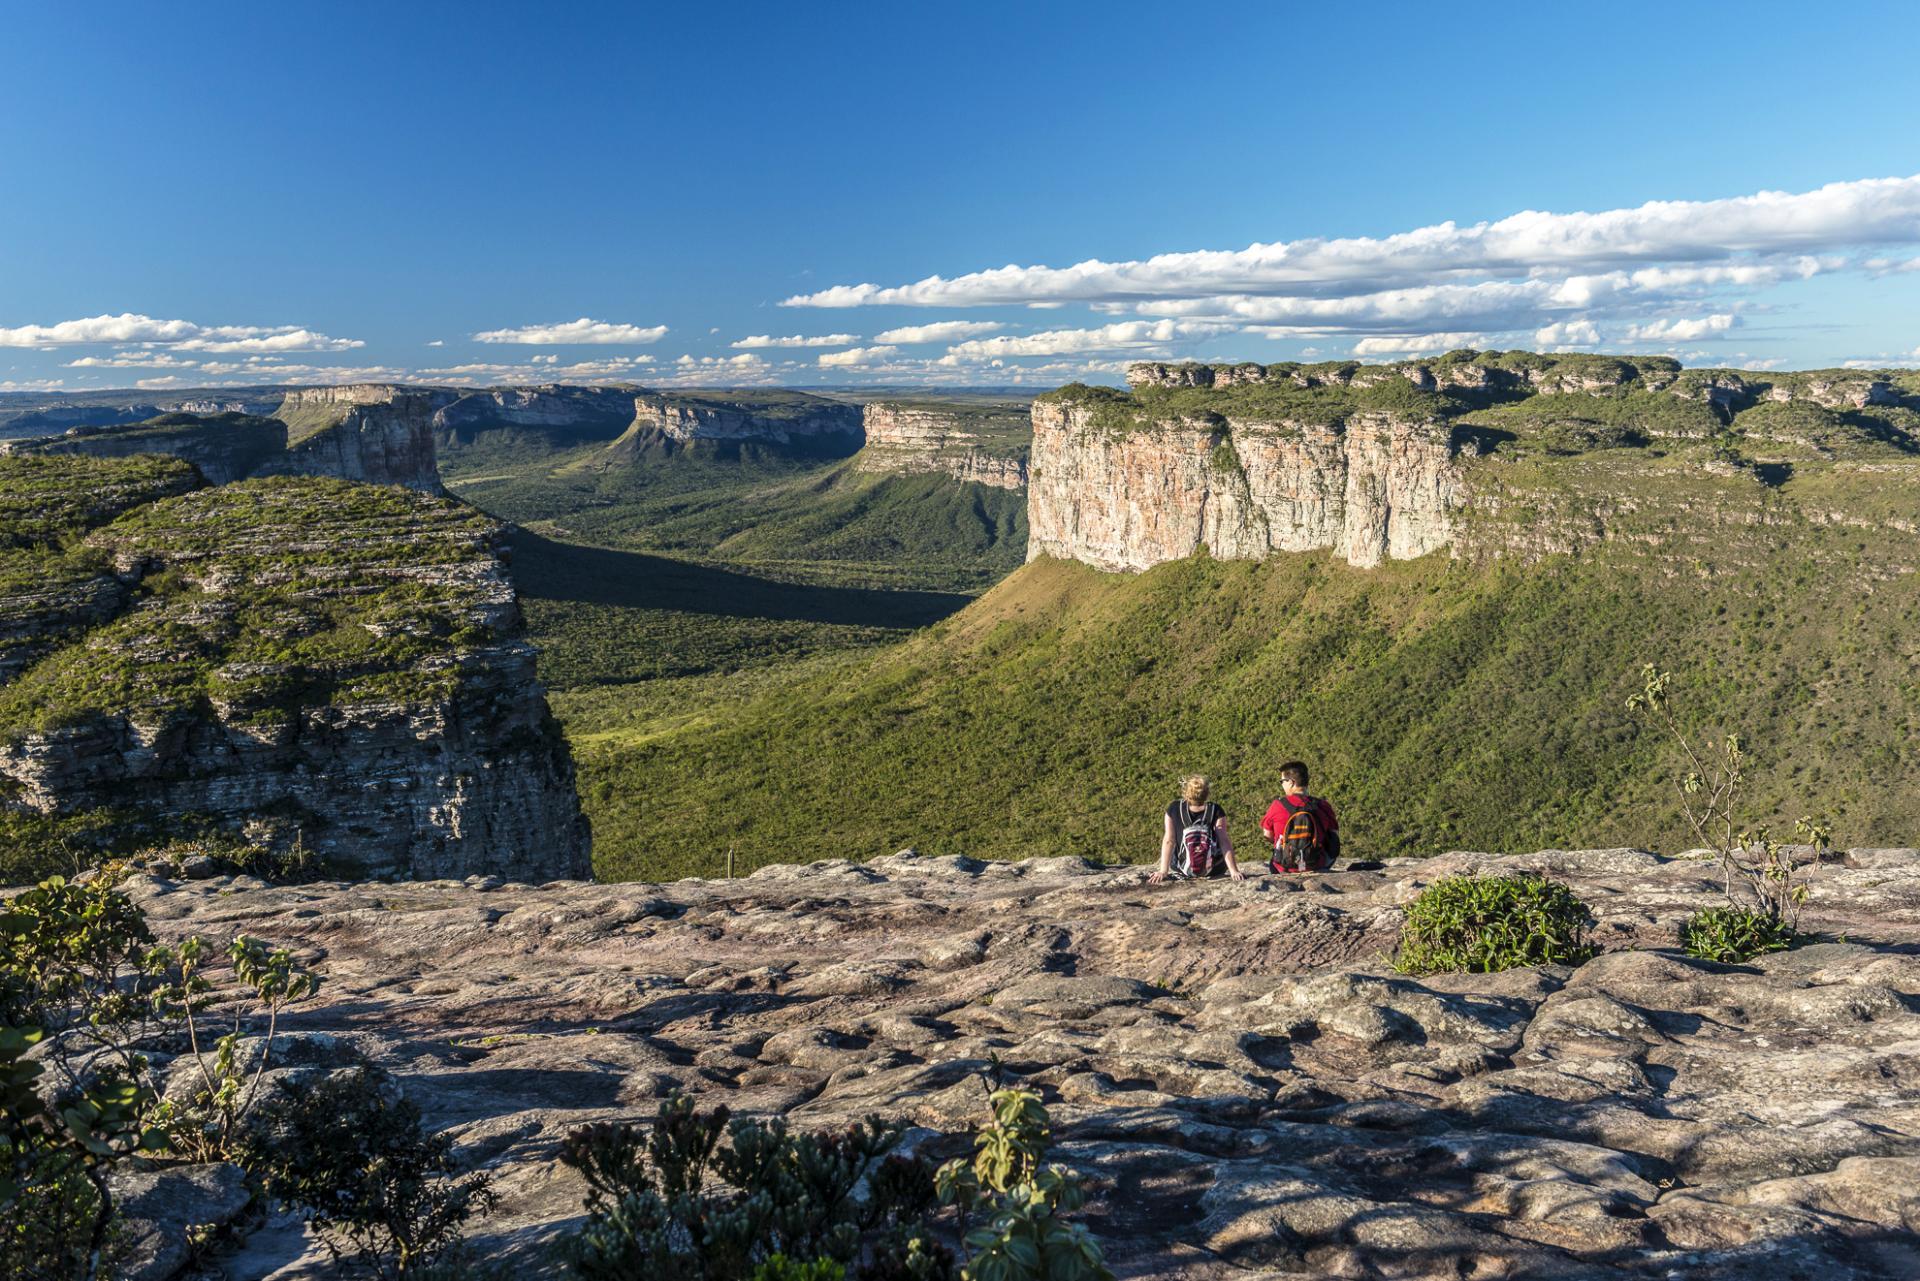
1252	1090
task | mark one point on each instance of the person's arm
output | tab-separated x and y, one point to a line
1226	849
1166	854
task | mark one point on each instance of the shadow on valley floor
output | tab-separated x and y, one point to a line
544	569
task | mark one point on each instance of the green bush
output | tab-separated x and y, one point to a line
1480	924
1734	934
83	980
349	1153
694	1198
1022	1199
781	1268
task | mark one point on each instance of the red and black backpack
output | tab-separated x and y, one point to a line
1304	844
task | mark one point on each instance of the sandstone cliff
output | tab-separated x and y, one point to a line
1248	1088
336	663
582	413
368	432
791	420
981	446
1482	454
1379	485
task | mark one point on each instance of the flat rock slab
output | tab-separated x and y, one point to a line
1250	1088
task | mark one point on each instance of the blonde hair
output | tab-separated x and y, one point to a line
1195	789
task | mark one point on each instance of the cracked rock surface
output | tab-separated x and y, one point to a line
1251	1089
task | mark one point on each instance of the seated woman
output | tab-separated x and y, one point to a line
1195	841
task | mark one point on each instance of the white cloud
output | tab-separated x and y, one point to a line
798	340
1414	344
132	360
1682	330
857	357
1122	336
1880	211
939	331
437	342
182	335
581	332
1568	333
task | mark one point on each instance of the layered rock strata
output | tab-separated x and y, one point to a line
1379	486
783	418
581	412
1247	1087
905	439
1530	374
300	659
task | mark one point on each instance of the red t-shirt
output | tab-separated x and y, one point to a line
1276	820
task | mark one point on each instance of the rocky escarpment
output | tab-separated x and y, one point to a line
970	444
1248	1088
790	420
567	412
223	447
379	434
1482	454
306	659
1529	373
1376	486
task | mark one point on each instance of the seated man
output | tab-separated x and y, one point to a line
1303	829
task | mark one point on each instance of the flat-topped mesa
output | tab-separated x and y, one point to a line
1479	453
224	447
373	432
986	446
789	419
1376	486
290	657
554	408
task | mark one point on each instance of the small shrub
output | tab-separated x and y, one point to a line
781	1268
350	1154
653	1211
1772	883
1734	935
1480	924
1023	1200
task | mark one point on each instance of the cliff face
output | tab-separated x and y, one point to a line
378	434
985	449
791	419
1379	487
299	657
1484	454
581	412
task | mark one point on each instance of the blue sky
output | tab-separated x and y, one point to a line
224	193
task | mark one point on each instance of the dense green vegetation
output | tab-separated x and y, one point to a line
1442	705
757	508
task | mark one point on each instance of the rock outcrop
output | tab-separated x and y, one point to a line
584	413
224	447
1247	1087
1378	486
379	434
791	419
980	447
304	659
1479	454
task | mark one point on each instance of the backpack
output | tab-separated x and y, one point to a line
1194	855
1304	844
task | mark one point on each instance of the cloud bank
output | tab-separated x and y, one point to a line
581	332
